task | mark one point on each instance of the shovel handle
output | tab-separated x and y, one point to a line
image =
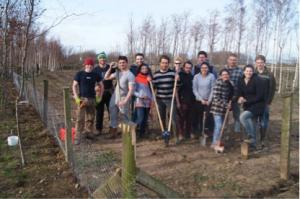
172	105
156	107
225	119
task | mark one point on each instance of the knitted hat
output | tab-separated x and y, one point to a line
88	61
102	55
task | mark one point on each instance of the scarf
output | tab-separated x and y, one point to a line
142	79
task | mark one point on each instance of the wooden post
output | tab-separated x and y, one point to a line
68	125
245	150
156	185
45	103
128	162
285	137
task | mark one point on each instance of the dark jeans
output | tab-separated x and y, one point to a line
100	109
185	119
164	107
141	119
197	120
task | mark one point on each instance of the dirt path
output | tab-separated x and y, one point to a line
46	174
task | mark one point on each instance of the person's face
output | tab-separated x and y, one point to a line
232	61
164	64
201	58
102	61
88	68
144	69
177	64
260	64
248	72
225	76
187	68
122	64
204	69
139	60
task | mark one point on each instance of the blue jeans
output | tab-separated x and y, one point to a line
217	129
265	118
236	115
141	119
246	119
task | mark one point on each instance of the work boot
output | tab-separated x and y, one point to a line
113	132
90	135
98	132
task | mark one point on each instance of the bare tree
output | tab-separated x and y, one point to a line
213	28
241	24
197	34
176	29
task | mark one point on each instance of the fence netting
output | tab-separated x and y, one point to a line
92	166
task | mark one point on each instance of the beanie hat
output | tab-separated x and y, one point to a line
102	55
88	61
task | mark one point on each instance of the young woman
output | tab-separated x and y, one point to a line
251	94
222	94
143	98
203	84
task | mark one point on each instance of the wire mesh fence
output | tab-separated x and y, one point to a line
93	167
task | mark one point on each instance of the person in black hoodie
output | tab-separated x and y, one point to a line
186	100
251	95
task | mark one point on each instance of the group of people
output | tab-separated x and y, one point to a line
200	96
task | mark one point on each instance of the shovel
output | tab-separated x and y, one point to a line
165	134
204	136
218	148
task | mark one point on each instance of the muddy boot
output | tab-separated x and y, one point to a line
113	133
90	135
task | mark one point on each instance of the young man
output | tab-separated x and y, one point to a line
163	80
186	99
235	73
120	100
139	61
202	57
87	81
265	74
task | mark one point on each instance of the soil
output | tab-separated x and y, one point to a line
189	168
46	173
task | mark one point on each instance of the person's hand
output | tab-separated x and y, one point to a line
177	78
77	101
113	65
121	103
149	78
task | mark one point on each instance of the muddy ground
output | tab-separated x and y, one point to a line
45	174
189	168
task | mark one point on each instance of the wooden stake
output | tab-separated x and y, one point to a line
285	137
45	103
68	125
19	136
245	150
128	162
156	185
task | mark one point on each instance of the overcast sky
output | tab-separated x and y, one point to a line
103	24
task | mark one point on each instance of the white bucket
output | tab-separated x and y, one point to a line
13	140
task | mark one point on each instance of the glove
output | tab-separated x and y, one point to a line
77	101
98	99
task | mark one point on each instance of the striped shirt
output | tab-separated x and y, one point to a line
164	84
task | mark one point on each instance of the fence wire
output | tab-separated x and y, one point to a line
92	167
